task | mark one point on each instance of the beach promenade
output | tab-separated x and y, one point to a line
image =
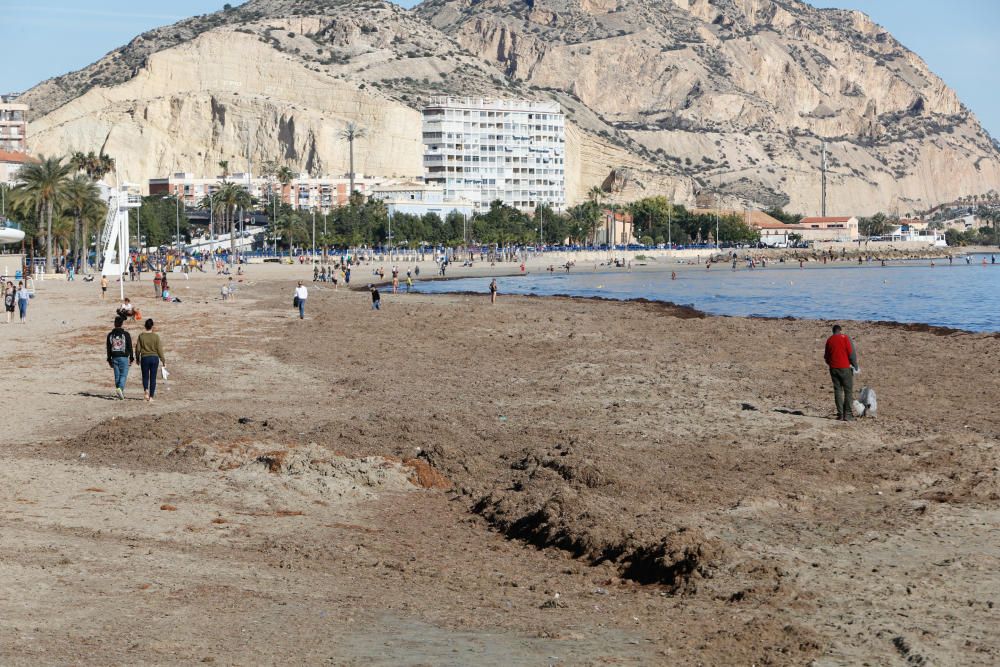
542	481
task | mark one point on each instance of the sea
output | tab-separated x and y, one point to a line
959	295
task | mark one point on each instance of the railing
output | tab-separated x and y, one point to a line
109	221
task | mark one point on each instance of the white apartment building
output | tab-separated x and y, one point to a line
482	150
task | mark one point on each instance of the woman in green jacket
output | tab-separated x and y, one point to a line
149	352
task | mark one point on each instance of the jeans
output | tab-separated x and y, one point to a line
120	366
149	366
22	306
376	305
302	309
843	390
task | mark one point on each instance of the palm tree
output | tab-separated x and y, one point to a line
93	164
43	185
351	132
62	233
287	225
224	165
285	176
81	193
230	197
595	194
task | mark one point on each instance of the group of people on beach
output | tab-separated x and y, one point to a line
147	352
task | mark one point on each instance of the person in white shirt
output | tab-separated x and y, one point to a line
301	294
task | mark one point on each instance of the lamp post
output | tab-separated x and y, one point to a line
312	259
177	215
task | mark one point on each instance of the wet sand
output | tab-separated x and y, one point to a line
543	481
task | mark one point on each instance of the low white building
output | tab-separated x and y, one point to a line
420	199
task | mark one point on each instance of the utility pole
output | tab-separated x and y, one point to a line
312	259
823	183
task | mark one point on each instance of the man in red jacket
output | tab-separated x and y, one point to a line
843	362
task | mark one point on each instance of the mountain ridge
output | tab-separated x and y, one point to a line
727	100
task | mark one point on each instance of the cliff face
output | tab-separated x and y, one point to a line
720	98
744	92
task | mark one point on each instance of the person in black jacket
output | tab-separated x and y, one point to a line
120	355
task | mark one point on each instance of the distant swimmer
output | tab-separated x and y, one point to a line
673	275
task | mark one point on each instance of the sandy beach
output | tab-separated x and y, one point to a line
545	481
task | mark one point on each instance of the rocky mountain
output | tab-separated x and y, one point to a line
700	100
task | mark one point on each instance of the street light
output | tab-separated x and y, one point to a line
312	260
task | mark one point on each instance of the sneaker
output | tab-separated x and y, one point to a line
121	394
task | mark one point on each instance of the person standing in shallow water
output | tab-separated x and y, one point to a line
842	359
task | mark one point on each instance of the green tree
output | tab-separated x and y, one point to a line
230	197
43	186
788	218
83	200
877	225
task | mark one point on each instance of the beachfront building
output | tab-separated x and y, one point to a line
13	125
11	163
483	150
809	230
302	192
419	199
842	229
615	227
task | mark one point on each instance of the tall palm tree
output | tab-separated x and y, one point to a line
81	193
288	224
95	165
595	194
43	184
62	233
224	165
230	197
285	176
351	132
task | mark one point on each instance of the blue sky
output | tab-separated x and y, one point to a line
50	37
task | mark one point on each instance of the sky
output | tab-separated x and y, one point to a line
957	38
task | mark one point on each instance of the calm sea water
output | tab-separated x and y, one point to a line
960	296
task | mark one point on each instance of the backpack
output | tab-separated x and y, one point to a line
118	343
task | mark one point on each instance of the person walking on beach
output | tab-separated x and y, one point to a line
301	294
104	287
157	280
842	359
149	352
120	355
409	283
9	298
493	291
376	298
23	296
